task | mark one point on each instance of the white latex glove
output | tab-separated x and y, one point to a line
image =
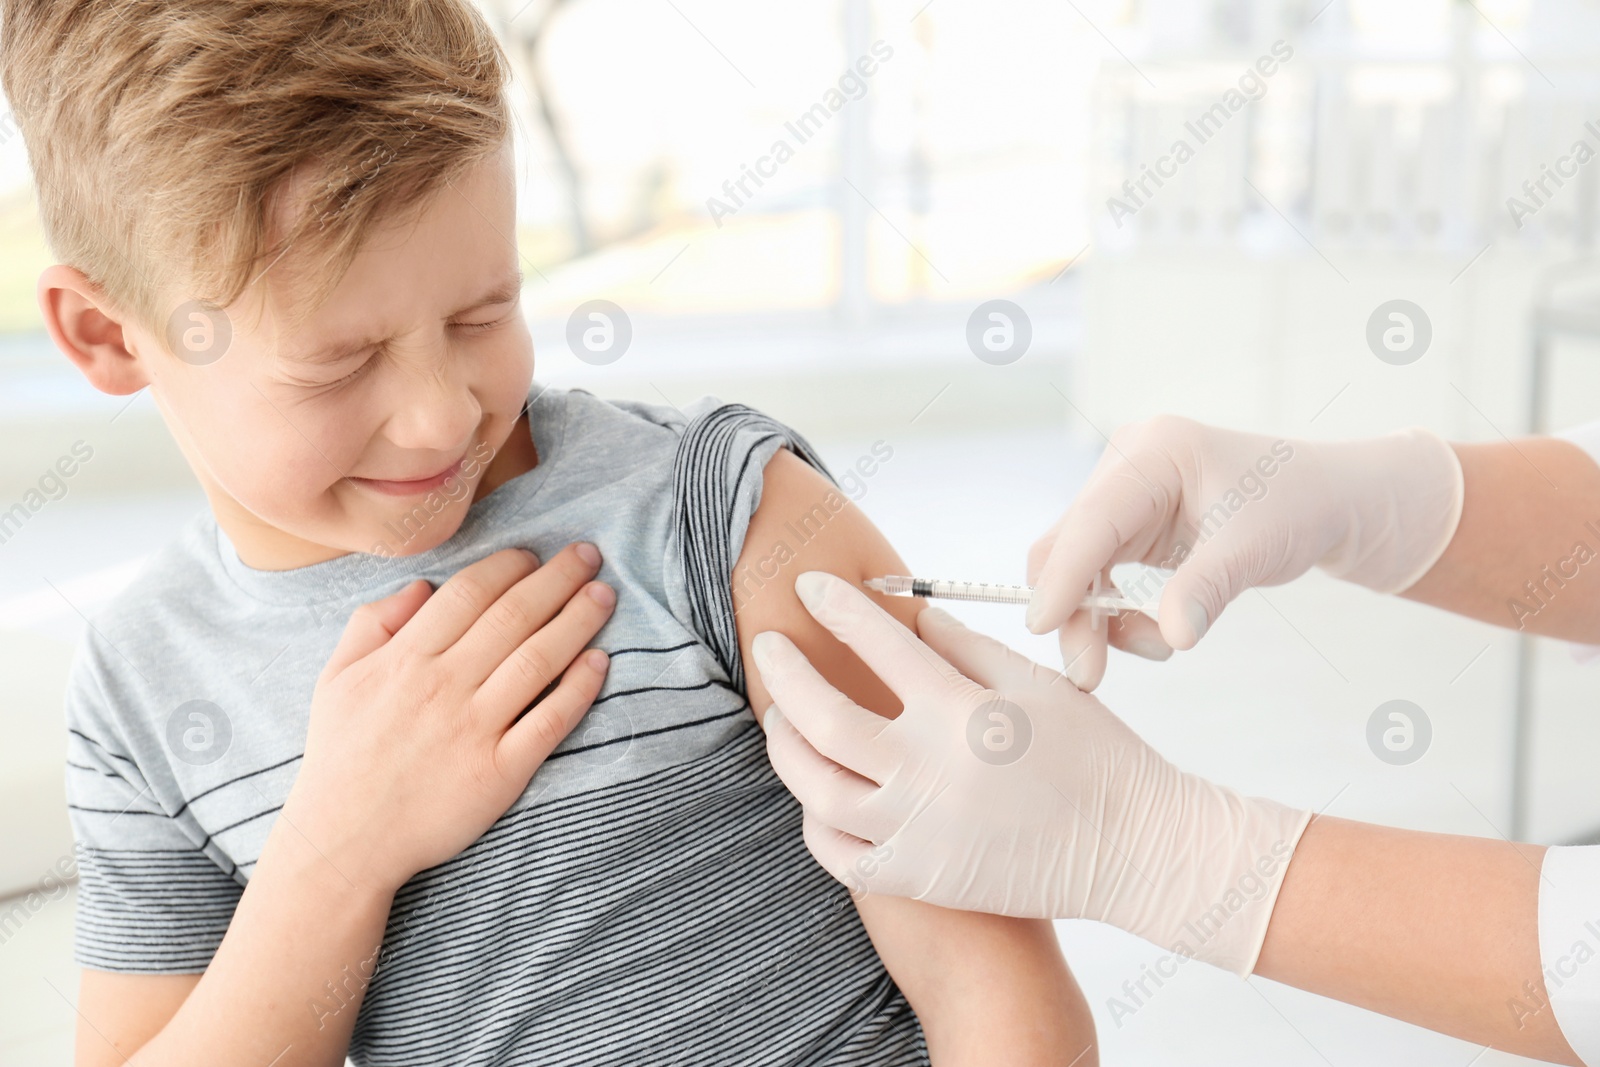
1002	788
1232	510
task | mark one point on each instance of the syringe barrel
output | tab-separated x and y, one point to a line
982	592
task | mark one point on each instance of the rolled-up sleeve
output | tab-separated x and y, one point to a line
1569	947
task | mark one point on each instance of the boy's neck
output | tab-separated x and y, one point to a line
264	547
517	456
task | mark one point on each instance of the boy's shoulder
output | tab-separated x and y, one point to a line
178	579
615	445
627	424
170	583
174	590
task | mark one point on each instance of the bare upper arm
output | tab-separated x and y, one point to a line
804	524
118	1014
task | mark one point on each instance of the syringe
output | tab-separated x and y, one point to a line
988	592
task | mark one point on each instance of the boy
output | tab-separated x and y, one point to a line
311	828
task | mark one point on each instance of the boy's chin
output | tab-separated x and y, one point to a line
409	535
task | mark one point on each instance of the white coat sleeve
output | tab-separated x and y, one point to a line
1569	947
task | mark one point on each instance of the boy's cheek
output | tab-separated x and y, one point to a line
511	364
282	480
257	439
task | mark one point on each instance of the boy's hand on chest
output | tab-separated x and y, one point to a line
427	723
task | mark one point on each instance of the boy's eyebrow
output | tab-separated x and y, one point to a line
503	292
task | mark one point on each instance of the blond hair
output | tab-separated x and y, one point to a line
163	134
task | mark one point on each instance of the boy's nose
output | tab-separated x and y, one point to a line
435	411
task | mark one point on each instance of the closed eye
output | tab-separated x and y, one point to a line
360	369
474	327
468	327
355	372
511	307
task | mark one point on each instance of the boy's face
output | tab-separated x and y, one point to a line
370	427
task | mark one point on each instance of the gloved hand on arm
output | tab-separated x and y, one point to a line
1003	788
1045	804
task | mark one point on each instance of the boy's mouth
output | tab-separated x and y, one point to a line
410	486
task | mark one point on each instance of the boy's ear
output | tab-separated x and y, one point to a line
89	331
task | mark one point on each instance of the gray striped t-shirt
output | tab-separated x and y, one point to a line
648	899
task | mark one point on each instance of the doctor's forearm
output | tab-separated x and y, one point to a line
1434	929
1526	554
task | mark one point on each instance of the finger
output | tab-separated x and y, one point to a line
1111	511
463	599
836	795
1202	586
840	855
912	670
531	739
1039	551
831	722
522	610
525	671
980	657
1136	632
1083	650
372	625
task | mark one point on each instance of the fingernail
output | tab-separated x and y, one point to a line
770	720
1197	619
1150	648
1076	669
761	651
812	587
602	594
1035	610
531	555
1078	674
596	659
589	554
